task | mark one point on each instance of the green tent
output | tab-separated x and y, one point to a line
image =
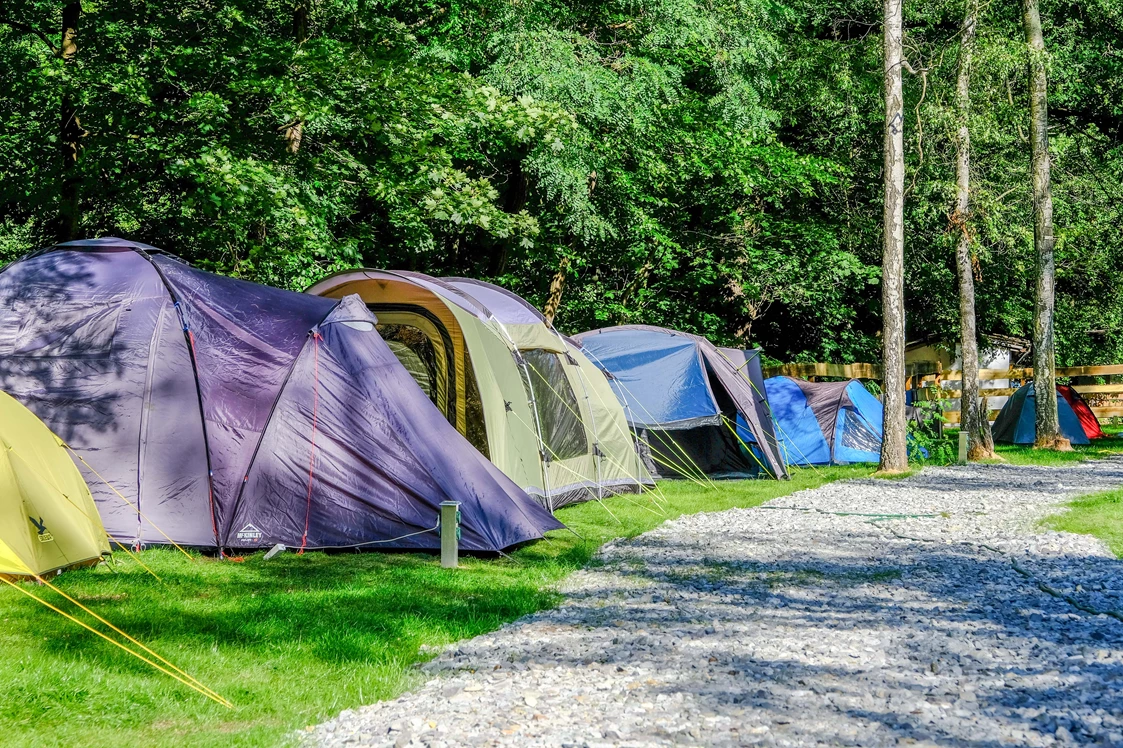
516	388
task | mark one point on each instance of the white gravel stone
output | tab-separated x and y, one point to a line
868	612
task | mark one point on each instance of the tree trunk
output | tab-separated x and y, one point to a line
894	449
557	287
513	202
70	131
294	132
980	442
1044	363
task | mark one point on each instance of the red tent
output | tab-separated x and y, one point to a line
1088	420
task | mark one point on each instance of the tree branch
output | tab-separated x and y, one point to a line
28	29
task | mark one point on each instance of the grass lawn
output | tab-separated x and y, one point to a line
1027	455
1099	448
1100	514
293	640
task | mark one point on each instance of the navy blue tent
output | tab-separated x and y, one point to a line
825	423
225	414
693	409
1017	421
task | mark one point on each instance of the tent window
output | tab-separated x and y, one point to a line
415	352
857	434
558	412
474	410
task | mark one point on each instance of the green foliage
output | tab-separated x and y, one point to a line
713	167
294	640
927	443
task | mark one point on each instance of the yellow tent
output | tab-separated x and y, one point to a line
48	520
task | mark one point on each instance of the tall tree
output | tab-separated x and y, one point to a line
1044	354
894	454
70	129
973	416
294	131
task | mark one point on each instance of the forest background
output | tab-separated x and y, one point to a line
714	167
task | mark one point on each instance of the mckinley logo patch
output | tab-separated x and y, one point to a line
250	534
41	529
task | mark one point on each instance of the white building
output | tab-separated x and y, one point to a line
1000	352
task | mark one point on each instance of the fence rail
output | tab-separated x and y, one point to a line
937	385
927	370
845	371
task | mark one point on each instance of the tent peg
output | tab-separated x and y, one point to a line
450	534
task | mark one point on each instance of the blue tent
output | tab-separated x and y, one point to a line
694	408
825	423
1017	421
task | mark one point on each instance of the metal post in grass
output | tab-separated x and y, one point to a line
962	447
450	534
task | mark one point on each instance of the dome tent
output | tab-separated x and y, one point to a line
519	391
694	410
48	521
233	415
1017	421
825	423
1084	414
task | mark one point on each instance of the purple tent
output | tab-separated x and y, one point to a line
233	415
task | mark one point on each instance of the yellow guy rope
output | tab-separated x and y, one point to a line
733	427
705	479
131	504
655	489
211	692
203	690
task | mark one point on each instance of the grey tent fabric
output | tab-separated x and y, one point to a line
747	364
233	415
498	301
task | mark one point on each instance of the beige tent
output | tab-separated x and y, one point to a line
518	390
48	520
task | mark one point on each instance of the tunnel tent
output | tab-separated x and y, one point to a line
1017	421
518	390
233	415
825	423
48	521
695	414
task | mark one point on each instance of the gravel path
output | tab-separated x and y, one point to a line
818	619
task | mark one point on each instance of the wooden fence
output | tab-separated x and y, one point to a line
933	384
